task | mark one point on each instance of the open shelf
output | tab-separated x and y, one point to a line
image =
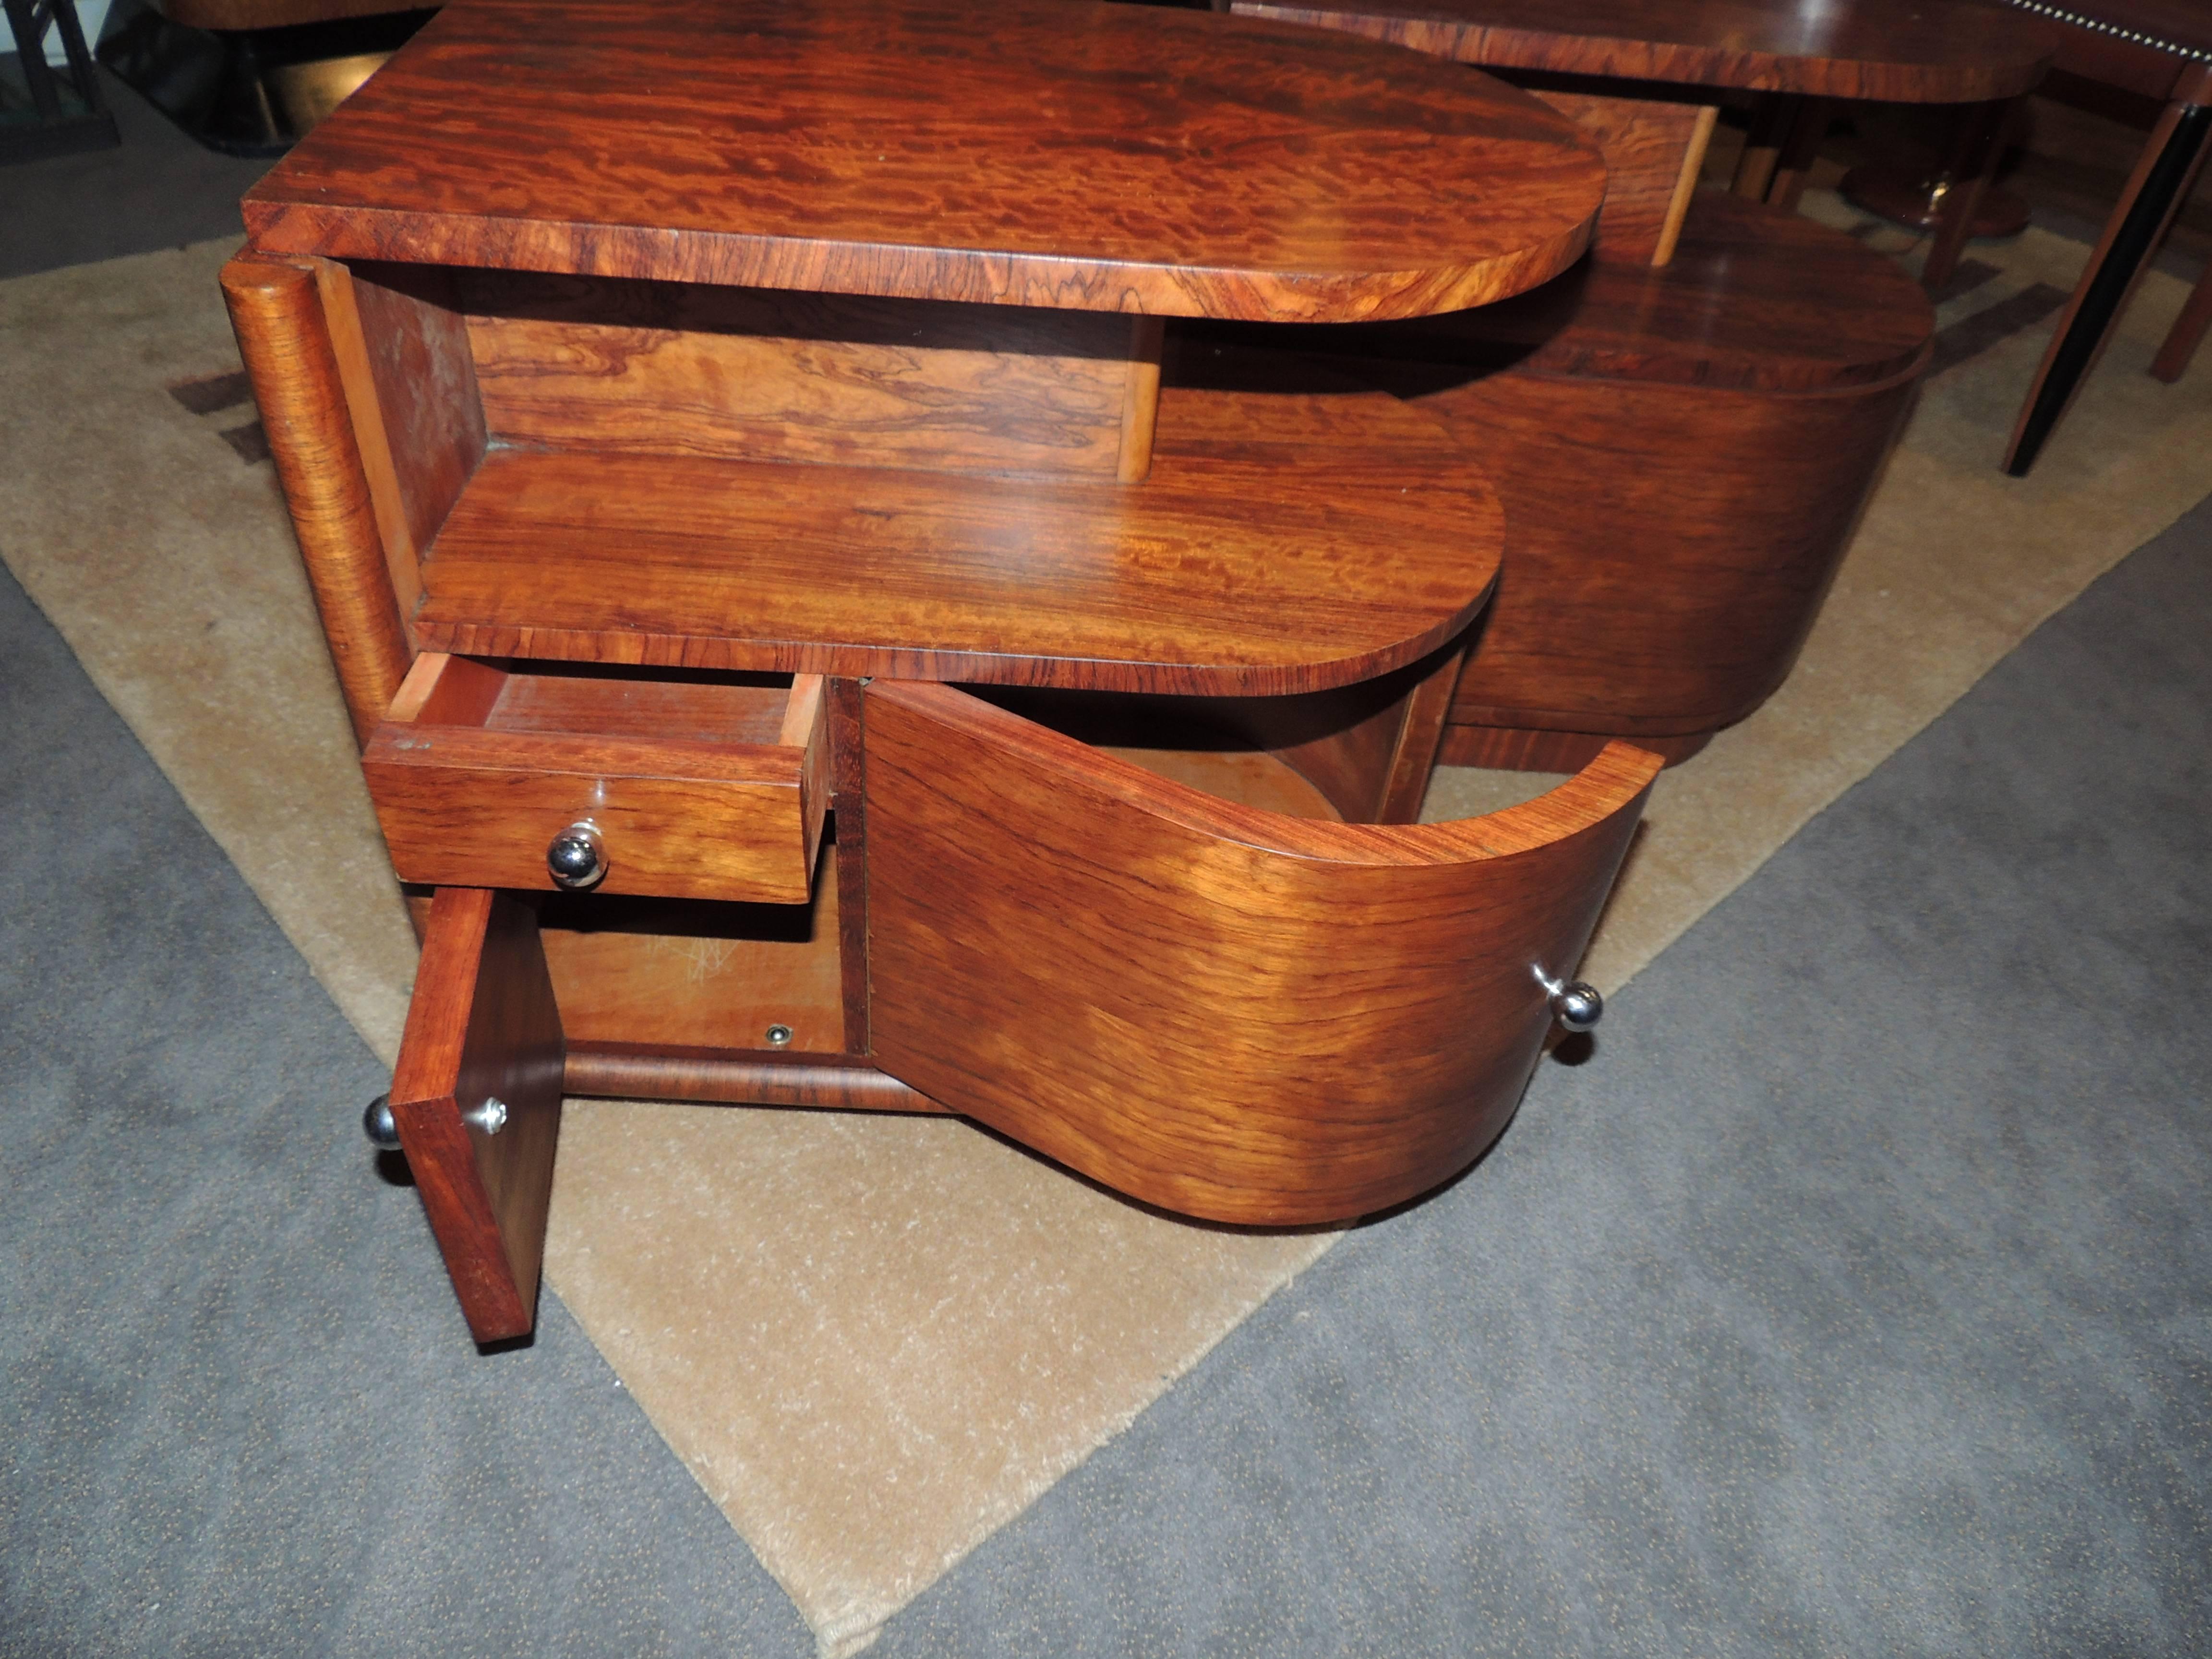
1282	545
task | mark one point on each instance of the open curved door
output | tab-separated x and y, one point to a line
1228	1012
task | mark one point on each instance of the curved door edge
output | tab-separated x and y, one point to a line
1225	1011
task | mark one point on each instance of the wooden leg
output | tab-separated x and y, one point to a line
1794	163
1770	130
2173	360
1966	176
476	1097
2161	179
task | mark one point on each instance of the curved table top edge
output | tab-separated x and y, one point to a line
1724	67
1069	283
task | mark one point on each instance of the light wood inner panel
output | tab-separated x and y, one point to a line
687	369
674	975
1282	544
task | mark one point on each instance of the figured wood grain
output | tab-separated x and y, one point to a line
276	310
1232	1014
1653	150
678	368
1941	51
1280	544
1063	154
483	1024
418	356
469	803
357	379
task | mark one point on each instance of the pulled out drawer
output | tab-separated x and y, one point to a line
657	782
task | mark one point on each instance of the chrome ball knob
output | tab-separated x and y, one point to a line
578	858
379	1124
1577	1006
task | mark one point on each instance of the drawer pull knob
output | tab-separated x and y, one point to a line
578	858
379	1126
1574	1004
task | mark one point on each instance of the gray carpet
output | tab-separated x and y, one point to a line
1855	1298
241	1414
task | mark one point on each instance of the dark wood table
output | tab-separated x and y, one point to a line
1928	51
673	399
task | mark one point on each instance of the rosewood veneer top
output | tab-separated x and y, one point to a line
1032	152
1937	51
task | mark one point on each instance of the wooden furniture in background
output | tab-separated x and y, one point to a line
68	111
1797	59
2158	49
617	402
1684	443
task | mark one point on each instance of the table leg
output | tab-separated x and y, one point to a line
1967	175
2173	360
2161	179
1794	163
1770	130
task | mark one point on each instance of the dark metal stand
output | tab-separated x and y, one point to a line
66	112
2113	269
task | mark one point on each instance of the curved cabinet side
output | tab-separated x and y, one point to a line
1668	546
1225	1011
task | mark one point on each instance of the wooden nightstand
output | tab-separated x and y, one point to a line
729	445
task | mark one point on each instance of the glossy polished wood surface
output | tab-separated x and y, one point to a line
1232	1014
475	770
1943	52
277	309
1053	153
1683	457
1752	299
1282	543
481	1026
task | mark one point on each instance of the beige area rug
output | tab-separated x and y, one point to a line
875	1341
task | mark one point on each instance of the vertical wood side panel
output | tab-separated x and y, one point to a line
342	315
277	309
1420	734
848	800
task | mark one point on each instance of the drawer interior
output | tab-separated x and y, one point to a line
597	699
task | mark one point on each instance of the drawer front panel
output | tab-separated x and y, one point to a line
478	809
